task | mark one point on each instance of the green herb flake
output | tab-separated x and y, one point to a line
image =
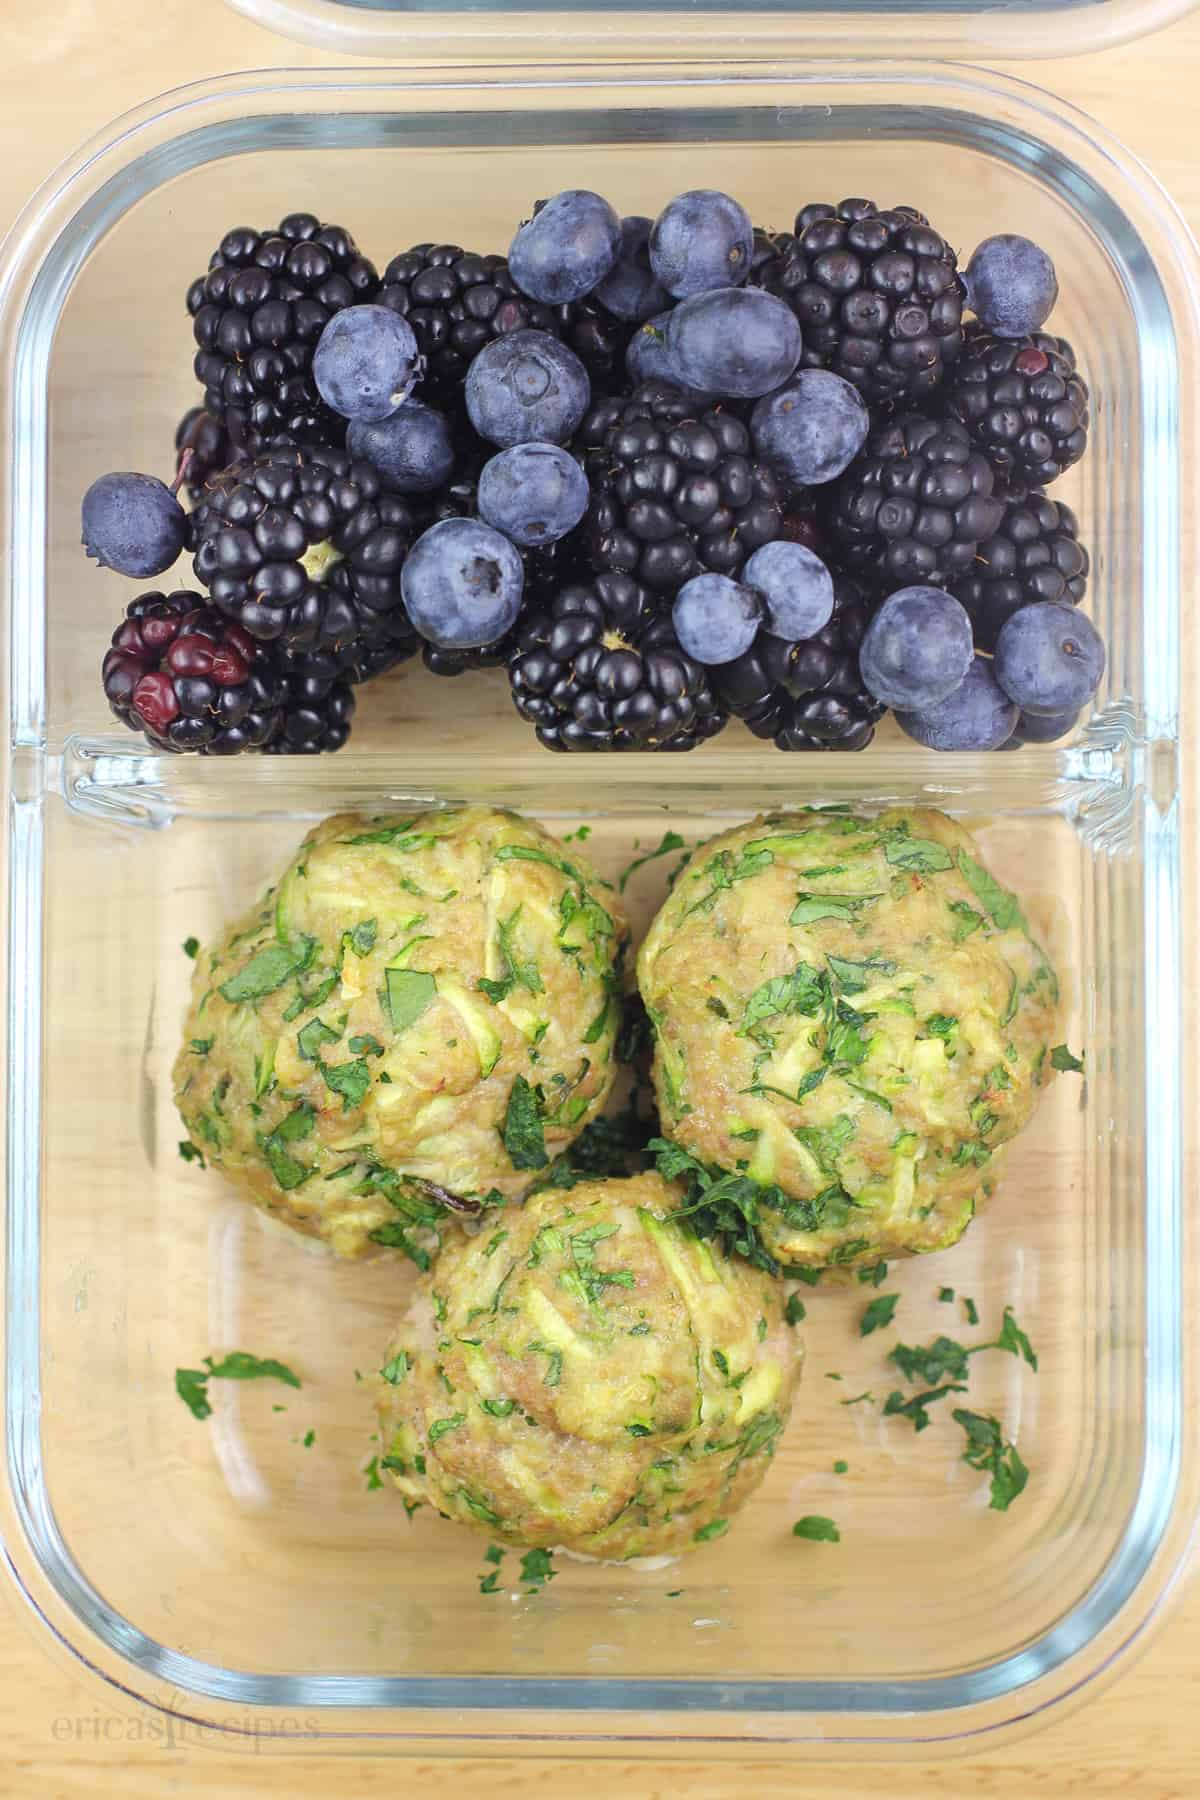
971	1310
191	948
365	1045
800	992
490	1584
192	1387
941	1025
410	992
349	1079
1014	1340
795	1312
873	1274
362	939
878	1314
988	1451
811	908
522	1131
967	920
516	970
841	1468
537	1568
714	1529
857	1399
671	840
1003	907
396	1368
816	1529
578	836
310	1039
921	855
1065	1061
267	970
201	1046
498	1409
946	1294
439	1427
371	1472
309	1439
896	1406
191	1153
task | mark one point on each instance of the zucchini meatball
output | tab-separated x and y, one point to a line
420	1015
590	1375
851	1018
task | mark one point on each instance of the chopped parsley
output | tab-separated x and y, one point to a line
1065	1060
878	1314
396	1368
873	1274
522	1131
579	836
795	1312
267	970
968	920
921	855
724	872
800	992
714	1529
516	970
811	908
410	992
312	1036
946	1293
817	1530
288	1172
537	1568
309	1439
372	1474
671	840
971	1310
841	1468
362	939
239	1365
1003	907
191	1152
366	1045
896	1406
349	1079
191	947
987	1451
439	1427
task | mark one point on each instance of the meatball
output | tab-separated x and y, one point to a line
851	1015
590	1375
421	1014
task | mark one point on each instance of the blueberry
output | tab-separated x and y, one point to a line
413	450
716	619
1045	728
630	290
978	715
567	248
916	649
811	429
533	493
1011	285
526	388
739	342
701	240
461	584
796	587
133	524
646	359
366	363
1049	658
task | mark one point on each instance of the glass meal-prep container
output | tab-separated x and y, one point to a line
226	1572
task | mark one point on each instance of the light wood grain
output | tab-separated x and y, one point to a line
66	71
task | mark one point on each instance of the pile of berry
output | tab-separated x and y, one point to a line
664	472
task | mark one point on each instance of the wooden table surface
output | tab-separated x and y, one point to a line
66	70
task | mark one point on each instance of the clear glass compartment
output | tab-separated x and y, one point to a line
229	1573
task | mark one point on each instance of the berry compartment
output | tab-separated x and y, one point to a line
261	1581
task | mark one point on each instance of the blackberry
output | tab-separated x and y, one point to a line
1024	403
598	338
1035	554
675	490
205	441
190	679
877	294
318	705
807	694
601	669
305	547
256	317
915	506
456	302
